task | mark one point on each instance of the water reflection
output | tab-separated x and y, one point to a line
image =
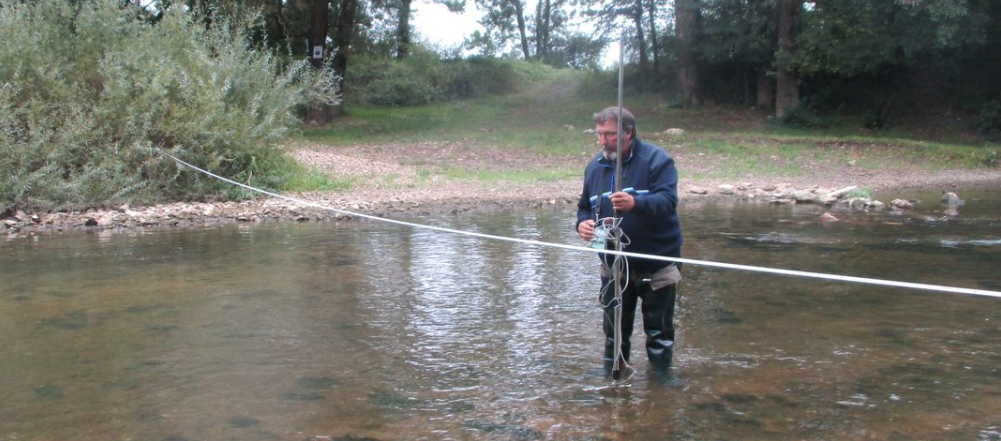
363	330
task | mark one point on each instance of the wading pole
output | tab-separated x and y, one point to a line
617	234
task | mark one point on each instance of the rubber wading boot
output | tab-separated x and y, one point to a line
658	324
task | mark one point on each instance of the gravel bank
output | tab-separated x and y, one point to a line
392	180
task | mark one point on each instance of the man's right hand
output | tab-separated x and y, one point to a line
586	230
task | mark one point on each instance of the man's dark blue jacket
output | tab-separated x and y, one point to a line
652	226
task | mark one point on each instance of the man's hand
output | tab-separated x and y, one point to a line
586	230
622	201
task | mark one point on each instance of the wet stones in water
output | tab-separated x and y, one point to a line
779	401
261	294
513	431
316	382
48	392
725	317
244	422
149	364
340	438
987	336
253	427
148	416
157	310
987	284
461	376
160	329
892	335
740	398
341	325
460	407
61	294
390	400
586	396
302	395
309	388
121	383
243	335
15	291
709	406
719	413
72	320
920	383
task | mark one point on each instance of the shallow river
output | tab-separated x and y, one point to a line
363	330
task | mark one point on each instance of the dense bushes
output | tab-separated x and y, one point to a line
423	78
91	94
990	120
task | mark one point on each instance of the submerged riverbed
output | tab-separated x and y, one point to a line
362	330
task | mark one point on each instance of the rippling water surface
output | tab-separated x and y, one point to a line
363	330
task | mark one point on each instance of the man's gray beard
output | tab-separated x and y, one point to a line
610	155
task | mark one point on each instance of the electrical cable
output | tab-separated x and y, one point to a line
706	263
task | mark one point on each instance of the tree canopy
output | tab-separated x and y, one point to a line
877	56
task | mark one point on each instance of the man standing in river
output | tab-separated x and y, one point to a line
649	222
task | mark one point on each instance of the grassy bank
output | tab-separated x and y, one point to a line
719	143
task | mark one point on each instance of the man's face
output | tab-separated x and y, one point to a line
606	132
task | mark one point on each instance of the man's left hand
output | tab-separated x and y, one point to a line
622	201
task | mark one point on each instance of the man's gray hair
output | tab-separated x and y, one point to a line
612	114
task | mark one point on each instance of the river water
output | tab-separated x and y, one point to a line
362	330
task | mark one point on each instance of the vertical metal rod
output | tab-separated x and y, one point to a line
617	263
618	130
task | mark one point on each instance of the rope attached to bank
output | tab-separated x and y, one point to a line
758	269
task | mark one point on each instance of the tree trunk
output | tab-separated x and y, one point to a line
654	47
403	30
318	32
319	114
543	25
687	22
765	90
519	9
745	77
641	43
343	35
786	89
547	28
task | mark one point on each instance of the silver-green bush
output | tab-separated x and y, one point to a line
92	95
425	78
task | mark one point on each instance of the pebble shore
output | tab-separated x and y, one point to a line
404	197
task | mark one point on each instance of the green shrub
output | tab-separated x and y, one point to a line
804	116
864	192
480	77
423	78
390	82
992	158
92	95
990	120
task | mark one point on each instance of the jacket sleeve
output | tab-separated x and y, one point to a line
584	204
663	197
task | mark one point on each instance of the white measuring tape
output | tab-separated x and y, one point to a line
759	269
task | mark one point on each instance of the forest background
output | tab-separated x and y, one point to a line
94	93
